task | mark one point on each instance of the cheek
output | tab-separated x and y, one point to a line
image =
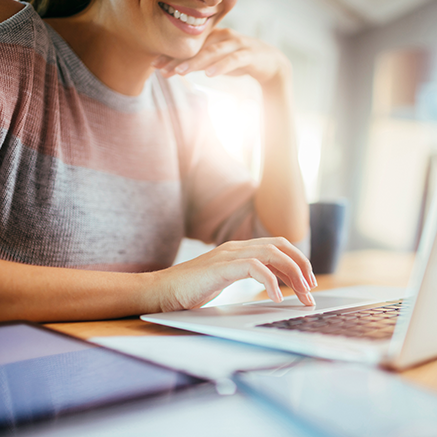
228	5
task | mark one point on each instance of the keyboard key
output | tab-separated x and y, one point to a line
335	321
377	335
372	323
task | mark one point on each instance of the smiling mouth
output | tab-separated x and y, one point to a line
187	19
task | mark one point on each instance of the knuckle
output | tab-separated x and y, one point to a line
229	245
271	247
282	241
223	247
228	32
254	263
215	49
307	264
241	42
237	56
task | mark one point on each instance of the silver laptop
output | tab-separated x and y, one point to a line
392	327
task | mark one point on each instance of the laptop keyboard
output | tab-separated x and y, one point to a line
376	323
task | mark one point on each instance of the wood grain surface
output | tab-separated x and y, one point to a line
356	268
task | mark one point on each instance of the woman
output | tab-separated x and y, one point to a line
107	161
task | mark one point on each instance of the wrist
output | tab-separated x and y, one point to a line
281	81
147	292
160	294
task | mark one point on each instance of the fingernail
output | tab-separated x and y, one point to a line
304	283
279	294
313	280
210	71
311	299
182	68
307	299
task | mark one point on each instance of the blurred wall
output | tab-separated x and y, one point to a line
355	116
305	30
334	71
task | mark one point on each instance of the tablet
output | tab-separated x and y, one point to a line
340	399
45	374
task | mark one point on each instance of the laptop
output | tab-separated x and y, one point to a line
387	326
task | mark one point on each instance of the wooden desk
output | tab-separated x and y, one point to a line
356	268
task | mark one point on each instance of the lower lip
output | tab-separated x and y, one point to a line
187	28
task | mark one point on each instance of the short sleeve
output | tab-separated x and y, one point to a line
24	47
218	190
220	193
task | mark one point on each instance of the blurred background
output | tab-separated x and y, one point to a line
365	81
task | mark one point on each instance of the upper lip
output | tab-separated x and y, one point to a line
193	12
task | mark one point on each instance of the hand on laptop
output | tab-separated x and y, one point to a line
195	282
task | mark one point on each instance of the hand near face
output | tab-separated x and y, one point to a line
227	52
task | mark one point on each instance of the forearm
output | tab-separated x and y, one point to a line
280	199
58	294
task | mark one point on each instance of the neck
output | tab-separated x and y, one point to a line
120	65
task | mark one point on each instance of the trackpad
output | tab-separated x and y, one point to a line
322	302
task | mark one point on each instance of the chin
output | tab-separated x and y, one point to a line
185	50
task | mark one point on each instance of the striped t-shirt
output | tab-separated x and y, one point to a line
93	179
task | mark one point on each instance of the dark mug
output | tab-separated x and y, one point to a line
328	223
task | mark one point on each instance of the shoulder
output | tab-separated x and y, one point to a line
25	51
22	31
20	25
8	8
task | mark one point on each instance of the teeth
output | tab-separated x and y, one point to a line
193	21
